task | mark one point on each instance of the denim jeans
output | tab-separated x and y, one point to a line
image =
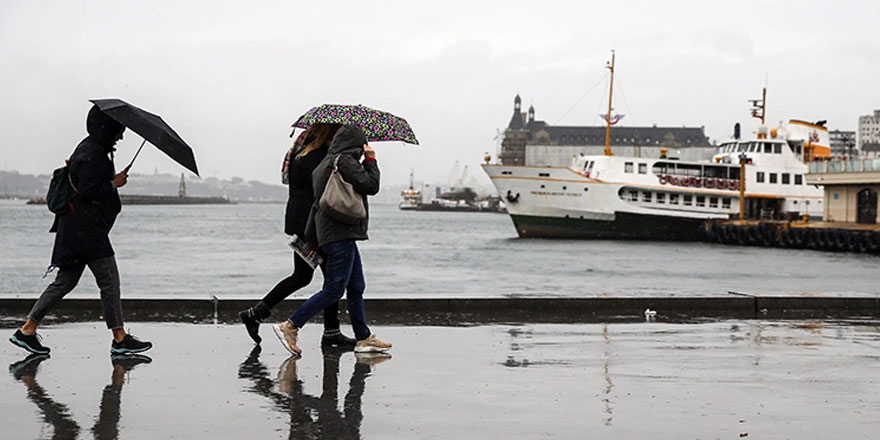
106	275
343	274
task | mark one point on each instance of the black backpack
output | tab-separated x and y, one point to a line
61	192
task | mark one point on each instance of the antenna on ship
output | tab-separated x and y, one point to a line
610	67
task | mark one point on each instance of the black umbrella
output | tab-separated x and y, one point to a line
152	128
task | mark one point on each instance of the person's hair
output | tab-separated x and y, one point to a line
319	134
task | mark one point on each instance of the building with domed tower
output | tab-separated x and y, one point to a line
528	141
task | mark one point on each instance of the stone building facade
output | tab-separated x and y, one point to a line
528	141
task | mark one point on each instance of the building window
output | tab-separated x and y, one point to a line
646	197
713	202
798	179
760	177
634	196
701	201
661	198
773	178
643	168
628	167
725	203
673	199
786	178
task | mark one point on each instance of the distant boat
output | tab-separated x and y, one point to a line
412	197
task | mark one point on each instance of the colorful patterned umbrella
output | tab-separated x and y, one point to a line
378	126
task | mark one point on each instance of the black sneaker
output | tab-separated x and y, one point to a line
338	340
251	324
30	343
27	366
130	345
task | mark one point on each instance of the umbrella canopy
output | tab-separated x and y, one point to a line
152	128
377	125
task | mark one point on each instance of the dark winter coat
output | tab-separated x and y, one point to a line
82	235
348	144
300	193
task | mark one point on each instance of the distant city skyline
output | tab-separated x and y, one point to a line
231	77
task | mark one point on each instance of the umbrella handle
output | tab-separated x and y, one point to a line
135	156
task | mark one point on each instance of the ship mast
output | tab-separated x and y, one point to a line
608	115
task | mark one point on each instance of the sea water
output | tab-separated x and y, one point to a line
240	250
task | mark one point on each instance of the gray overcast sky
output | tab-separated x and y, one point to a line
231	77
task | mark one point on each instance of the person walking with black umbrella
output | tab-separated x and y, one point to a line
82	237
308	151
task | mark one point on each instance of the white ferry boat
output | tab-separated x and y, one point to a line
619	197
411	197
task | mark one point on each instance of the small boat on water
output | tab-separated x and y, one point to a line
662	198
412	197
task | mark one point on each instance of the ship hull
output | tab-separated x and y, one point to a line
624	226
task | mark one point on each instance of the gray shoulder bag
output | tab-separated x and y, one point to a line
340	201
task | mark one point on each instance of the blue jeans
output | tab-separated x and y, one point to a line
343	274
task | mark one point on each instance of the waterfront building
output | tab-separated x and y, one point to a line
869	134
851	188
843	143
528	141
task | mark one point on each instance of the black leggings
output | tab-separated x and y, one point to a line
301	277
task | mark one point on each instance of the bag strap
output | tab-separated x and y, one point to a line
336	162
69	178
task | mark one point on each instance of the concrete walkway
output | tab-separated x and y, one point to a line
720	379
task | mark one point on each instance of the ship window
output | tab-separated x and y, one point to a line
634	196
687	200
701	201
628	167
767	147
786	178
646	197
543	174
661	198
752	147
773	178
643	168
760	177
725	203
507	173
797	149
713	202
777	149
590	168
742	147
798	179
661	168
673	199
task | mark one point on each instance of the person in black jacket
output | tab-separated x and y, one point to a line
343	272
82	236
305	156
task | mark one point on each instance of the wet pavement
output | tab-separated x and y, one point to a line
720	379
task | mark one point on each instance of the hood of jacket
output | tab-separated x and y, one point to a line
349	139
103	128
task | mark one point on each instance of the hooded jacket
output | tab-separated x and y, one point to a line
83	234
348	145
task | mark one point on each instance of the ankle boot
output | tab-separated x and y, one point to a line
252	317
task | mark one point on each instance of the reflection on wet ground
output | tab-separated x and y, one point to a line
764	379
